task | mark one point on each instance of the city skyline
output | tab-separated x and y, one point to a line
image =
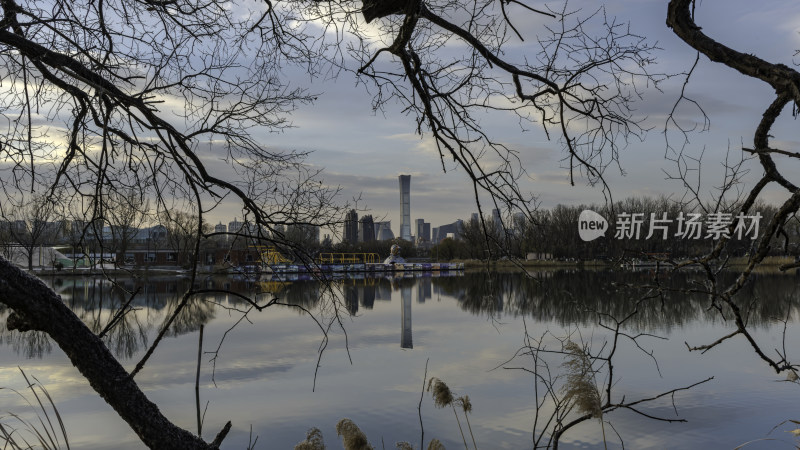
366	153
135	132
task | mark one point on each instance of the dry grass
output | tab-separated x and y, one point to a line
580	387
352	436
441	393
313	441
435	445
18	433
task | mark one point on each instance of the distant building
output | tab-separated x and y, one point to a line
497	221
366	229
235	226
351	227
278	231
303	234
518	223
220	228
19	226
54	231
423	231
405	207
154	235
252	229
384	231
453	229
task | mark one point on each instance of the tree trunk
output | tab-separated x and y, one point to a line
37	307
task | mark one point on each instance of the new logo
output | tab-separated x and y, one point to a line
591	225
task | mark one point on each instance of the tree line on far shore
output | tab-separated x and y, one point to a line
678	231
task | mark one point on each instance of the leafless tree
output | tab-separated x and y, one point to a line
29	224
112	99
117	100
126	212
182	234
785	82
575	378
450	63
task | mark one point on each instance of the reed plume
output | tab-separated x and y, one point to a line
580	387
441	393
313	441
442	396
352	436
466	406
435	445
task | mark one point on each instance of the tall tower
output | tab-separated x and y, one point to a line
366	229
405	207
351	227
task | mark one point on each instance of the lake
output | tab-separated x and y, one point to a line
274	375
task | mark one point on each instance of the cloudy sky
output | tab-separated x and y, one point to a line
364	152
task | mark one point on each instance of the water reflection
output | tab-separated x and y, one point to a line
574	298
565	297
405	318
466	326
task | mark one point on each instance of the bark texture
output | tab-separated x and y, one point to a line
37	307
375	9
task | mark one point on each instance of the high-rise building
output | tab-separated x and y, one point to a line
497	221
454	229
222	229
405	207
351	227
236	227
423	231
366	229
383	231
518	223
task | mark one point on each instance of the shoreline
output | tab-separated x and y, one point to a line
770	263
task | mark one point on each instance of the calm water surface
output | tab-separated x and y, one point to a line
258	368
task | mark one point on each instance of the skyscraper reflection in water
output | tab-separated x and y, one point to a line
405	317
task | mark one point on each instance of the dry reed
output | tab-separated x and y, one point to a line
313	441
435	445
580	387
442	396
352	436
